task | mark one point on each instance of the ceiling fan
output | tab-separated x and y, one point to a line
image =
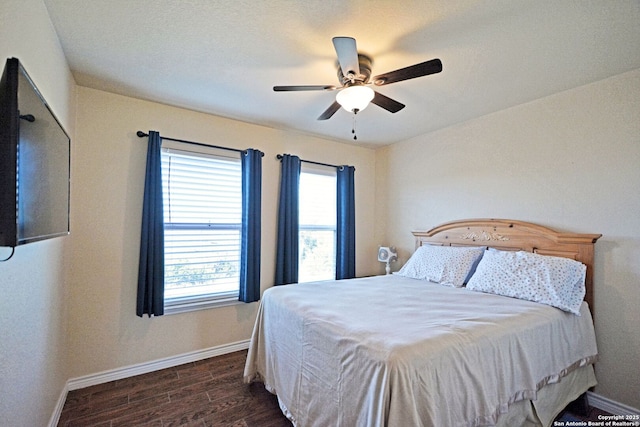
354	74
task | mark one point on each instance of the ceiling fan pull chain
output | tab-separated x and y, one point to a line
353	128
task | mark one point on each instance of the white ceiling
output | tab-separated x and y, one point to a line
224	57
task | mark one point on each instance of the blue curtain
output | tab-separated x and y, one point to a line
251	226
288	221
150	299
346	225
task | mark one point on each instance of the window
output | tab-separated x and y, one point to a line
202	194
317	234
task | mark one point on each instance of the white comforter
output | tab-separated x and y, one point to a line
393	351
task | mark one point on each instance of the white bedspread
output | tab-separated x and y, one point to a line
393	351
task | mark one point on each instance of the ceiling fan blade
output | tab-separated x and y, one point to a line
347	55
302	87
387	103
329	111
418	70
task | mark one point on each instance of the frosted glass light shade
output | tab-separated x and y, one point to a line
355	97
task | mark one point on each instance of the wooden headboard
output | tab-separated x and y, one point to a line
508	234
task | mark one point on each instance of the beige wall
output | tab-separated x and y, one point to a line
32	283
109	167
570	161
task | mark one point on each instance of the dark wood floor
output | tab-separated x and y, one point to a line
205	393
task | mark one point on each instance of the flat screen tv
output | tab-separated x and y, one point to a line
34	163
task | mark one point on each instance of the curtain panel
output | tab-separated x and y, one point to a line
346	224
288	221
251	226
150	298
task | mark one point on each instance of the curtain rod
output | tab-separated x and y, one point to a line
143	134
279	157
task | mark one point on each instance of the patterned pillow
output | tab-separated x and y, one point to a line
447	265
555	281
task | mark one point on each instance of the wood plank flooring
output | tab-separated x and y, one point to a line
204	393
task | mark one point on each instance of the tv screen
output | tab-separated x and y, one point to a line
35	165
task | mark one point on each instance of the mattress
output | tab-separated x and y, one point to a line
392	351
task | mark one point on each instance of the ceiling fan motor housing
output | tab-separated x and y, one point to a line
364	63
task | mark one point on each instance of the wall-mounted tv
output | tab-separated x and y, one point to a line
34	163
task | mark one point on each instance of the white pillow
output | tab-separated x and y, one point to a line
555	281
447	265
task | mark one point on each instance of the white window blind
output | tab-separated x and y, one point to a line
317	229
202	222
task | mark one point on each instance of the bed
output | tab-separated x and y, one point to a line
401	350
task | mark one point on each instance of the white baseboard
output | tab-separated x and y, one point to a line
140	368
154	365
611	406
57	411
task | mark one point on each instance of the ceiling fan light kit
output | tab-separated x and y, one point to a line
354	72
355	98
